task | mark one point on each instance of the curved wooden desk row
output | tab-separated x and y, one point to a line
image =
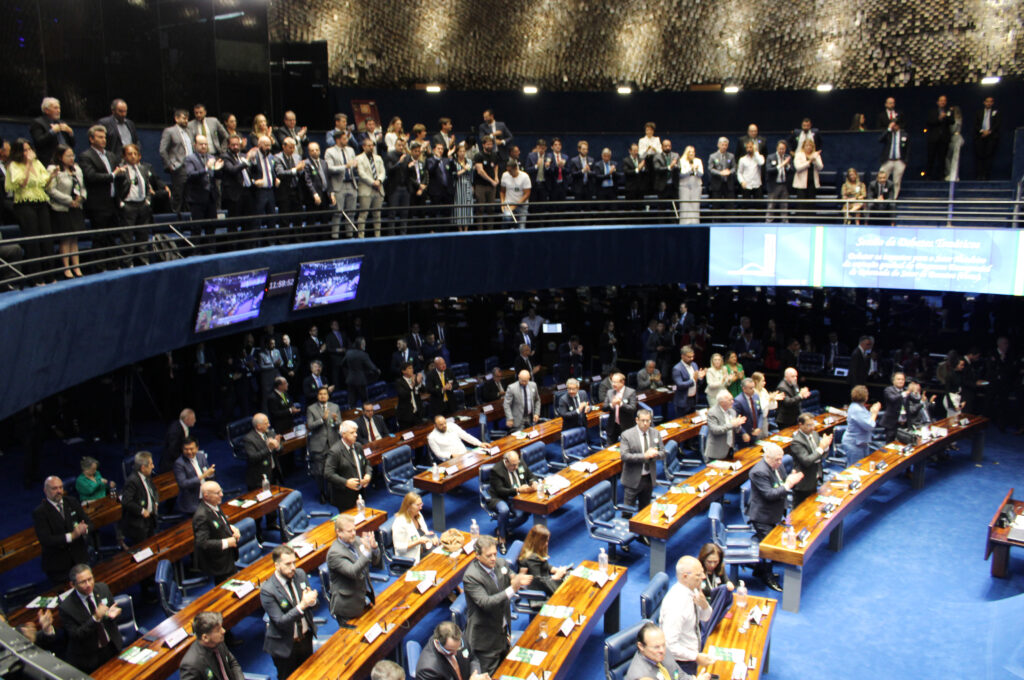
660	529
23	546
999	542
121	571
808	514
231	607
755	643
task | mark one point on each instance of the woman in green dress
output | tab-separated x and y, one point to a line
734	371
90	485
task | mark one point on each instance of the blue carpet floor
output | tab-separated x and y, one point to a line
908	596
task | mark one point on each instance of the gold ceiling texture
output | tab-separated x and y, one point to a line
657	44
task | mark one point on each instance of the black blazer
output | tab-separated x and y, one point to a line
859	363
885	139
540	570
188	483
83	630
403	408
45	141
892	404
114	144
433	665
939	129
363	432
434	386
231	184
98	180
339	468
994	123
57	554
882	121
260	459
806	459
135	527
279	412
200	663
767	495
489	391
787	410
174	442
501	482
359	368
210	527
570	416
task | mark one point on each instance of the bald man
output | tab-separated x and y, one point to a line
262	445
789	406
682	611
216	541
62	528
769	488
522	402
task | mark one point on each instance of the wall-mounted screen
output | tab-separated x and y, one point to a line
229	299
326	282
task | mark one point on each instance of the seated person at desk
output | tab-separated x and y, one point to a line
640	449
808	448
61	526
573	406
216	540
649	377
490	584
508	479
90	485
651	661
768	493
534	558
724	428
522	402
446	439
917	405
90	618
209	657
288	600
860	424
370	428
492	389
190	471
444	653
712	559
346	470
409	531
348	560
682	611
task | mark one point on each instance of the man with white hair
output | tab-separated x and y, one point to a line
216	540
722	171
48	131
261	445
346	469
682	611
768	494
723	428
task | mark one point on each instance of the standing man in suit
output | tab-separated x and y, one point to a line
370	428
499	132
524	336
724	428
202	170
261	446
409	406
346	469
808	448
987	123
175	146
323	418
522	402
722	169
211	128
621	404
444	657
140	188
490	583
209	658
788	407
486	176
573	406
887	115
264	178
281	408
288	601
314	381
768	492
49	131
439	182
894	405
289	129
632	168
400	357
175	437
371	174
401	183
778	175
640	449
748	405
861	362
360	371
753	135
190	471
557	173
894	143
833	348
139	501
439	386
940	123
508	479
341	169
61	526
538	165
348	561
104	182
90	616
580	170
288	167
666	171
216	540
120	129
804	132
335	349
445	137
236	179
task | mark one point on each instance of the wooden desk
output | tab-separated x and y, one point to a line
121	571
585	598
807	514
218	599
756	643
400	607
999	543
688	505
23	546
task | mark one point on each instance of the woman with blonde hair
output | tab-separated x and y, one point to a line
691	173
854	194
409	530
717	377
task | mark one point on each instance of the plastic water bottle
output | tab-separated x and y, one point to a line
266	483
434	472
474	530
740	596
789	537
602	561
360	506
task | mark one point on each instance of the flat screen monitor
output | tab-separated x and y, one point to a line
326	282
229	299
555	328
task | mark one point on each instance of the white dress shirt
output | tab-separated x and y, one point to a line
748	170
449	443
679	620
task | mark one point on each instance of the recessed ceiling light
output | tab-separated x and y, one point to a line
433	89
529	89
825	87
731	89
624	89
990	80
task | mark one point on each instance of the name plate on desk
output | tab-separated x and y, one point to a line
703	487
641	397
697	420
451	470
175	637
533	434
493	450
142	555
367	451
488	408
264	495
239	588
376	407
406	436
373	633
468	548
424	585
302	549
567	626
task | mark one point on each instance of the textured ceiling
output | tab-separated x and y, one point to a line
657	44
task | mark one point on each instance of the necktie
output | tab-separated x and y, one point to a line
302	625
526	339
895	146
359	468
575	403
892	114
199	472
526	405
369	428
268	174
102	639
557	157
444	392
319	382
455	665
616	408
696	622
149	495
444	172
220	663
608	181
373	167
106	164
186	142
663	672
417	172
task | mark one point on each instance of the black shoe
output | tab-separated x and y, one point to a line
646	541
773	583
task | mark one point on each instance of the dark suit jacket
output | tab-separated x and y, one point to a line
582	184
199	662
341	467
523	364
114	144
439	185
806	459
349	569
994	124
316	183
260	459
627	410
98	180
209	527
174	441
200	187
57	554
363	432
882	121
787	410
403	407
231	184
188	483
489	391
83	630
885	139
435	388
892	404
501	482
433	665
134	500
279	412
767	495
487	608
883	191
740	406
818	146
939	130
859	363
771	174
359	368
631	173
281	608
569	415
45	141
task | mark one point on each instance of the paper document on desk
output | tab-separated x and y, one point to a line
239	588
302	549
780	439
685	488
556	611
137	655
1016	532
598	577
523	655
725	465
739	671
583	466
894	447
555	483
727	654
834	500
43	602
240	503
420	576
671	425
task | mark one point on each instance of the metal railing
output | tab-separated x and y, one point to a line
133	246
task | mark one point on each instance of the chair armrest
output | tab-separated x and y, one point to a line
601	523
738	527
403	562
320	513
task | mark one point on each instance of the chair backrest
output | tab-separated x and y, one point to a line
292	515
574	444
490	363
598	503
325	580
460	370
631	379
397	466
126	619
386	540
652	595
376	391
811	362
340	397
745	501
167	588
812	404
127	465
715	515
512	554
412	657
484	478
236	430
458	611
249	549
534	458
69	486
619	650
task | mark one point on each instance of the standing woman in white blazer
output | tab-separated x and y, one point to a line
691	174
409	530
806	178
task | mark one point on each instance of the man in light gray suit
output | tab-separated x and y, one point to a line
620	403
640	448
288	601
522	403
649	377
341	170
175	146
322	421
211	128
490	583
348	560
723	428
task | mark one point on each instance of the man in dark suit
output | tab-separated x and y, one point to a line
61	526
887	115
409	406
580	171
439	182
524	336
335	348
987	123
348	561
445	658
499	131
90	616
524	361
768	492
414	341
175	438
104	178
280	407
753	135
236	180
492	389
190	471
216	540
346	469
139	501
48	131
556	175
895	143
488	616
444	136
120	129
893	405
778	178
401	183
201	170
834	348
141	188
940	125
360	371
573	406
370	427
881	200
748	405
792	394
808	448
721	169
288	600
312	383
805	131
288	167
860	362
400	356
640	448
621	405
538	165
508	479
264	179
632	167
318	194
261	446
209	657
439	386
